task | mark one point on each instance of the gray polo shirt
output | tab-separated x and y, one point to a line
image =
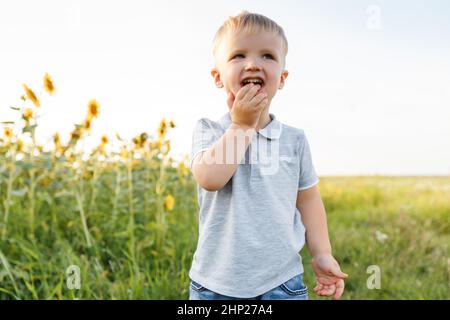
250	231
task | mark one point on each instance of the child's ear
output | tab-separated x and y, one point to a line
284	75
216	75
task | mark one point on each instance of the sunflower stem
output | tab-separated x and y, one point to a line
131	221
160	218
31	195
116	191
93	183
83	219
7	201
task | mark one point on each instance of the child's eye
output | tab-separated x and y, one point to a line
238	55
268	55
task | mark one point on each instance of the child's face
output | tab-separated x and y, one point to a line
242	56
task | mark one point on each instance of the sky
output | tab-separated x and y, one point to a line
369	81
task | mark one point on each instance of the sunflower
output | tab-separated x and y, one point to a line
169	202
87	124
7	132
75	134
56	139
143	136
137	142
48	84
140	140
93	109
104	140
30	95
28	114
162	128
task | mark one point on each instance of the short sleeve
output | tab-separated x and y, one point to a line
204	136
308	176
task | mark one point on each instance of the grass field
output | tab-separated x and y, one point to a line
115	226
400	224
127	221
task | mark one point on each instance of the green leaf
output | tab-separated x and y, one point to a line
29	128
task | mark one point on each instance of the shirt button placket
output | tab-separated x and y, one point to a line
254	157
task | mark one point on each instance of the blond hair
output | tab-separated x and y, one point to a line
249	22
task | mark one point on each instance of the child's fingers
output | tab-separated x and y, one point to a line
265	102
243	91
258	99
336	271
317	288
251	92
324	290
330	290
327	291
340	285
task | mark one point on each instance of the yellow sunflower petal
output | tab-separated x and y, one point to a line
30	95
93	108
48	84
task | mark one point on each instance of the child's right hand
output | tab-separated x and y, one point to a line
247	106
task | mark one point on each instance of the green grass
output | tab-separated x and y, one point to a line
414	212
110	221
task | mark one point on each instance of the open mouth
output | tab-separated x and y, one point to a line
252	80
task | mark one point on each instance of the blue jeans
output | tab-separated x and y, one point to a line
293	289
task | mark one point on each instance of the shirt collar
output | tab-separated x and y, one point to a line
271	131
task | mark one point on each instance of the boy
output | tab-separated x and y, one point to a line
255	207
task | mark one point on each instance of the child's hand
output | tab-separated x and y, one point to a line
246	107
329	277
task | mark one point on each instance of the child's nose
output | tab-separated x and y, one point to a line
252	66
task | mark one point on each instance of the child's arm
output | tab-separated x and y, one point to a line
210	168
330	278
214	167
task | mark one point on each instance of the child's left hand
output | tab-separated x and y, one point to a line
329	277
